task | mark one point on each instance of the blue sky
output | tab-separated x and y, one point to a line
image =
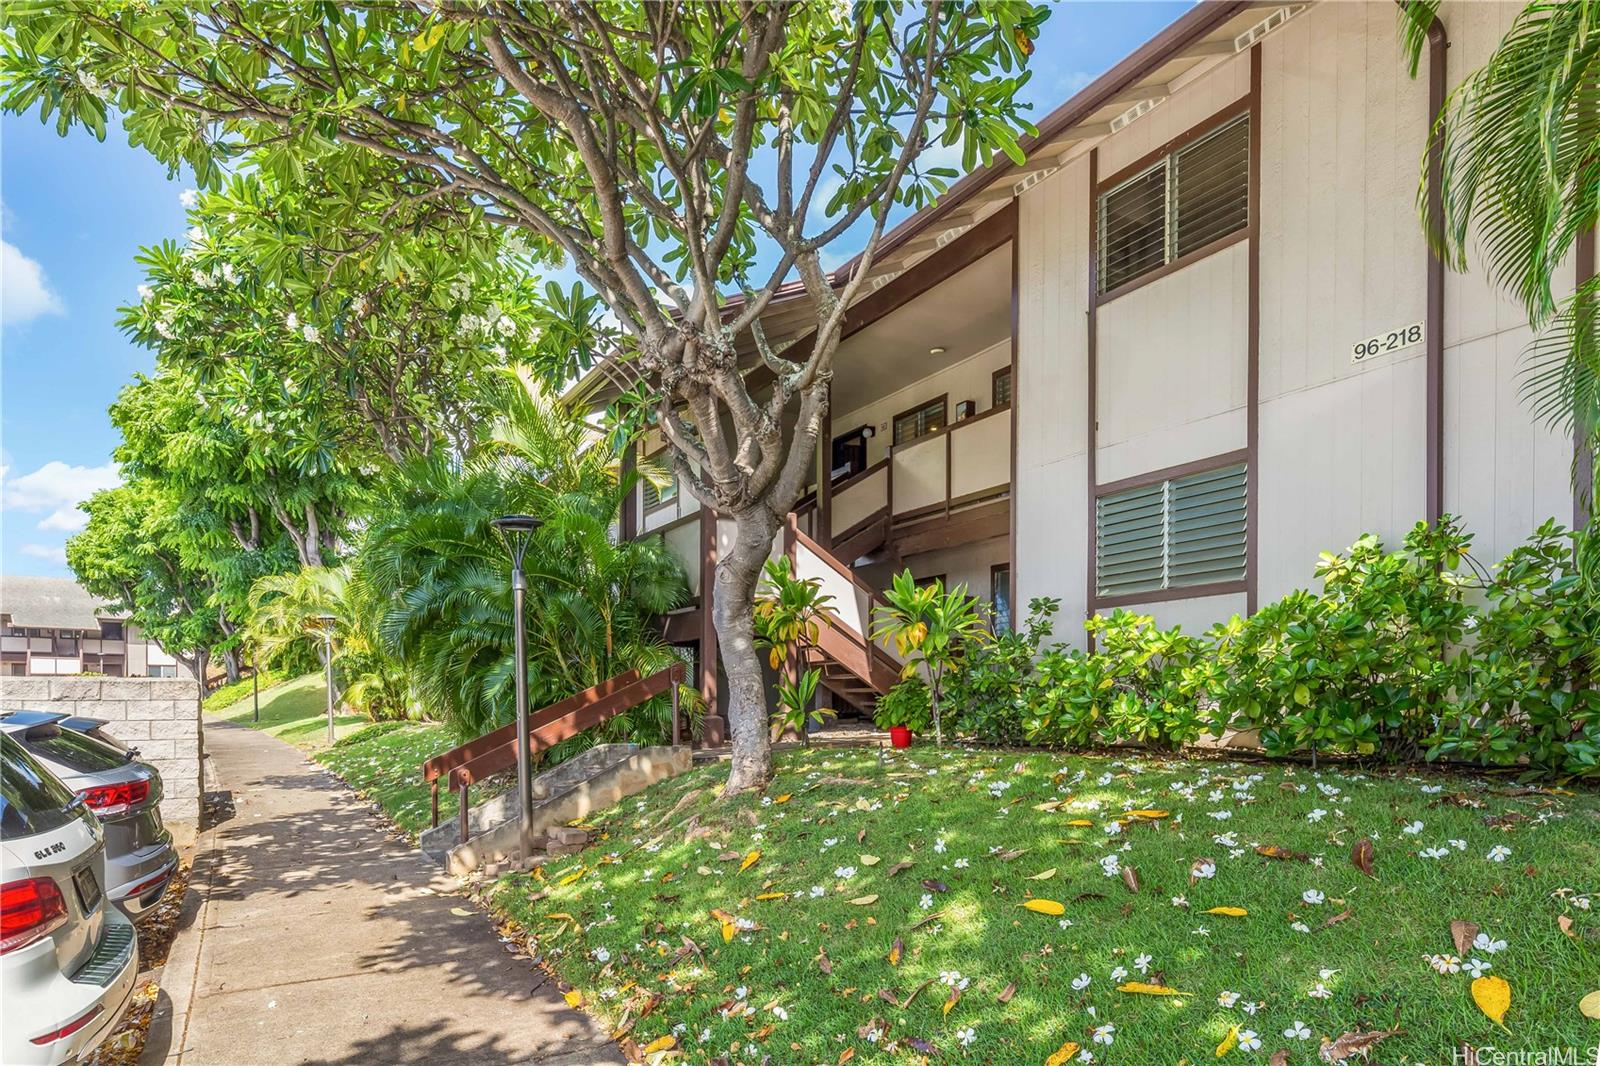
76	212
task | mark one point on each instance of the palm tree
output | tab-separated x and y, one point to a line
1520	142
435	578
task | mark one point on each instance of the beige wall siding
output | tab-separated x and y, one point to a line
1051	393
1191	105
1171	368
1195	616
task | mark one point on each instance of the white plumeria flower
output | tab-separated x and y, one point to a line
1433	853
926	901
1458	844
1142	963
1413	829
1317	815
1488	945
830	842
601	955
291	321
966	1036
961	864
1477	967
1251	1006
1179	901
1248	1040
1200	931
1221	816
938	845
1499	853
1227	999
1445	964
309	332
818	890
780	1014
1298	1031
1300	927
844	873
1118	973
1320	991
1313	897
1105	1034
1080	982
1206	870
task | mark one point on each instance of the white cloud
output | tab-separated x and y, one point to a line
57	488
51	553
24	292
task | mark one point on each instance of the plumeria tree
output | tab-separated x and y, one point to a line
673	154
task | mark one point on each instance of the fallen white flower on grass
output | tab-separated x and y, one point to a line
1488	945
1313	897
1080	982
966	1036
1298	1031
1499	853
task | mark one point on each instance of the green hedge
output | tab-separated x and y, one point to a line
1417	653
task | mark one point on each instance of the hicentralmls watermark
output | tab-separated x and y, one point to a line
1489	1055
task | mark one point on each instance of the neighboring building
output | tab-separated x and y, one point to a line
49	626
1196	339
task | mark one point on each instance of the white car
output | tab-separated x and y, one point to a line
68	958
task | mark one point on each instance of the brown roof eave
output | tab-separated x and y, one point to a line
1192	26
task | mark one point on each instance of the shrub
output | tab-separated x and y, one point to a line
907	704
993	683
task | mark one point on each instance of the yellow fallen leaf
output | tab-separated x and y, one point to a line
1139	988
1148	814
955	995
1493	996
1229	1042
574	998
1043	875
1589	1006
461	912
728	929
870	860
558	916
764	896
1080	822
660	1043
785	798
1044	906
750	860
1047	805
570	878
864	901
1231	912
1062	1054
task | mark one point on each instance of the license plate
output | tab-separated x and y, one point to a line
88	889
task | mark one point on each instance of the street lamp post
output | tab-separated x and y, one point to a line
325	623
518	530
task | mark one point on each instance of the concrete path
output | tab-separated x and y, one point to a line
314	937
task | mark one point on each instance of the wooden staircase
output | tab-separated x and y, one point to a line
853	668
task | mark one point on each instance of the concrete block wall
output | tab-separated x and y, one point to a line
159	716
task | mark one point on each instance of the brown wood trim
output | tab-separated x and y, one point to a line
838	567
681	627
1433	503
866	523
1188	592
994	381
1093	423
1252	433
1016	322
681	520
947	428
1189	258
987	412
944	405
865	536
945	507
462	754
929	579
974	526
1211	122
1583	457
862	475
1166	473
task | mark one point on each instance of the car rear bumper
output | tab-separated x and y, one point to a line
41	1000
138	880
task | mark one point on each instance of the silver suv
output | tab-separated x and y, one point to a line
122	791
68	962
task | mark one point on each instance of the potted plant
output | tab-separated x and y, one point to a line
929	625
904	710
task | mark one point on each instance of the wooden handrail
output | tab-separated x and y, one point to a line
496	750
844	571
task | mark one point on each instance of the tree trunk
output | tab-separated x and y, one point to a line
230	662
733	606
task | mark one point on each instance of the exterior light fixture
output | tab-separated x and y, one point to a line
517	531
936	350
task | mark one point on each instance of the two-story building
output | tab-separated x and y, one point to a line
50	626
1197	338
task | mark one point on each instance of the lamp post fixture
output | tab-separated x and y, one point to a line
325	624
517	530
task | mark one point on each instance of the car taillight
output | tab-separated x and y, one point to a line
28	910
71	1027
106	800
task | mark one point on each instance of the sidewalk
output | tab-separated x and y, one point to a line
312	936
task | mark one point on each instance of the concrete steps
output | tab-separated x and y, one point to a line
593	781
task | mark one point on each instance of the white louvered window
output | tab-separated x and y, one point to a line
1180	203
1177	533
655	495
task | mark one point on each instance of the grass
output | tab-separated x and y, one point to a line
383	763
295	711
226	695
631	918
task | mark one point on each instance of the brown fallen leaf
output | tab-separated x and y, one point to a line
1589	1006
1353	1043
935	916
1130	877
1342	916
1273	851
900	867
897	952
1362	855
1566	925
1007	992
824	963
935	886
1461	934
727	856
1279	1058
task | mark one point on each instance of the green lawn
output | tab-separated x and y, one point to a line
295	711
384	764
1323	949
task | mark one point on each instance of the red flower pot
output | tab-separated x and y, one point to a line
900	736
